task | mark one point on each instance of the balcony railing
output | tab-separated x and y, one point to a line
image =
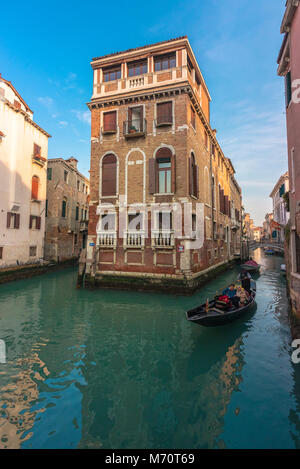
135	127
136	82
134	239
163	238
107	239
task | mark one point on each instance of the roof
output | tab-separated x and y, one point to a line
16	92
291	7
139	48
280	181
70	166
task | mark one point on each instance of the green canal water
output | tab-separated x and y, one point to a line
110	369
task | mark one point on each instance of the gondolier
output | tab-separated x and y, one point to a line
245	279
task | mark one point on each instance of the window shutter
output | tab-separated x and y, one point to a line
8	220
30	221
229	209
35	187
190	176
141	118
17	221
36	150
197	181
110	121
129	117
173	174
164	113
109	175
38	223
152	178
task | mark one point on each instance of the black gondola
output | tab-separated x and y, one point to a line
215	317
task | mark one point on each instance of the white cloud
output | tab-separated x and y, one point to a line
63	123
46	101
83	116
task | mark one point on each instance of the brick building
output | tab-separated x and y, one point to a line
289	67
66	210
153	154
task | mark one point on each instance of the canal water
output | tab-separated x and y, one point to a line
110	369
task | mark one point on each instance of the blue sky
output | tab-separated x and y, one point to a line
46	48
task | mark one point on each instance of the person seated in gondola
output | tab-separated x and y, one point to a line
242	295
223	302
231	292
245	279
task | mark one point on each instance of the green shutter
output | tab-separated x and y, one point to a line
49	174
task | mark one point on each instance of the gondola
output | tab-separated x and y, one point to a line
212	316
250	268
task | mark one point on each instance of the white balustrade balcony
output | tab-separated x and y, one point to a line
107	238
134	239
163	238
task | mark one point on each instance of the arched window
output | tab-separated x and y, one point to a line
64	208
109	175
35	188
193	176
162	172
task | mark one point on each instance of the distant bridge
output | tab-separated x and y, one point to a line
277	247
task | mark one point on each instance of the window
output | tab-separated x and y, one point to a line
205	139
189	64
77	213
215	230
164	221
1	248
34	222
213	192
13	220
108	222
193	118
66	176
83	187
109	175
164	62
81	213
64	208
46	208
75	238
193	176
135	221
32	251
36	150
164	175
164	113
137	68
288	87
110	121
85	214
78	185
162	172
111	74
49	174
135	119
35	188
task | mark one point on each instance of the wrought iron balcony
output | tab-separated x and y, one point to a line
135	128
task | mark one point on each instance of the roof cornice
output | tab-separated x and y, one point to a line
289	14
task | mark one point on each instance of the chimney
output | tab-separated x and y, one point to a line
72	161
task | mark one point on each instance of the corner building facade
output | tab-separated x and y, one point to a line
165	208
